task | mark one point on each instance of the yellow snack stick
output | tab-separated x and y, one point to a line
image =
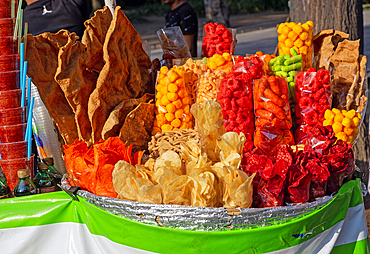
161	119
172	96
164	89
285	50
348	131
171	108
328	122
306	27
342	136
169	117
180	82
303	50
176	123
179	113
308	42
165	101
186	118
310	23
178	104
337	127
347	122
161	75
227	56
166	127
356	121
338	118
329	115
182	93
163	81
164	70
335	111
186	109
291	24
172	88
220	61
351	114
183	126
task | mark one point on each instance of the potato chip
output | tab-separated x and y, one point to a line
177	191
169	160
150	194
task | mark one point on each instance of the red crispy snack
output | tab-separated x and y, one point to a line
299	180
312	98
319	181
285	153
217	40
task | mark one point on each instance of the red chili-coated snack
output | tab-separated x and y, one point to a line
312	97
272	112
217	40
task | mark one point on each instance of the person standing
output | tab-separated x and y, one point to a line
217	11
54	15
183	15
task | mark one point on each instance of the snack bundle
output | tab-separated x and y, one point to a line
223	62
208	83
193	70
299	37
173	101
273	117
217	39
266	58
345	123
312	99
235	96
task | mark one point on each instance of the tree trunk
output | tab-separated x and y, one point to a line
342	15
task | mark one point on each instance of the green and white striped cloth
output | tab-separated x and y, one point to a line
54	223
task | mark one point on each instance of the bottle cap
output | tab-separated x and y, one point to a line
22	173
42	166
49	160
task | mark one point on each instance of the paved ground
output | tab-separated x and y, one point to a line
255	32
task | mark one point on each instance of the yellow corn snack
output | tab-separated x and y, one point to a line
297	36
222	62
172	97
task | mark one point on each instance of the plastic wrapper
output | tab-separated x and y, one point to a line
172	101
265	58
299	180
173	42
222	62
217	39
299	37
312	99
319	181
235	96
208	83
209	124
193	70
272	112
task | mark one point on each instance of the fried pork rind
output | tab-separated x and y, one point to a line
124	75
117	117
138	126
229	143
42	58
210	125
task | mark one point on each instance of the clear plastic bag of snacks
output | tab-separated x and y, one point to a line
217	39
173	42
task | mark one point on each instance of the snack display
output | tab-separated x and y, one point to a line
299	37
312	99
217	39
273	116
173	42
172	101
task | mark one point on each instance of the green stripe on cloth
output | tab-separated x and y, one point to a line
359	247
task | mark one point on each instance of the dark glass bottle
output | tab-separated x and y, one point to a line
44	180
24	186
53	171
4	188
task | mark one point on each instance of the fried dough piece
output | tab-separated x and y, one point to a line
42	56
124	75
117	117
138	127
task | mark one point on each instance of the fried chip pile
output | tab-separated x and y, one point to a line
91	168
334	52
188	177
90	86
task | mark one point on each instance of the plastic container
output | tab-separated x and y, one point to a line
9	80
8	46
10	99
13	150
46	131
9	62
12	133
7	26
11	167
13	116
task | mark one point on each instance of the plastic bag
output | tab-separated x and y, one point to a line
312	99
299	37
193	70
235	96
173	42
208	83
222	62
299	180
273	116
217	39
172	101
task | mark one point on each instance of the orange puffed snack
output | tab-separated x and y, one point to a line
173	101
299	37
222	62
